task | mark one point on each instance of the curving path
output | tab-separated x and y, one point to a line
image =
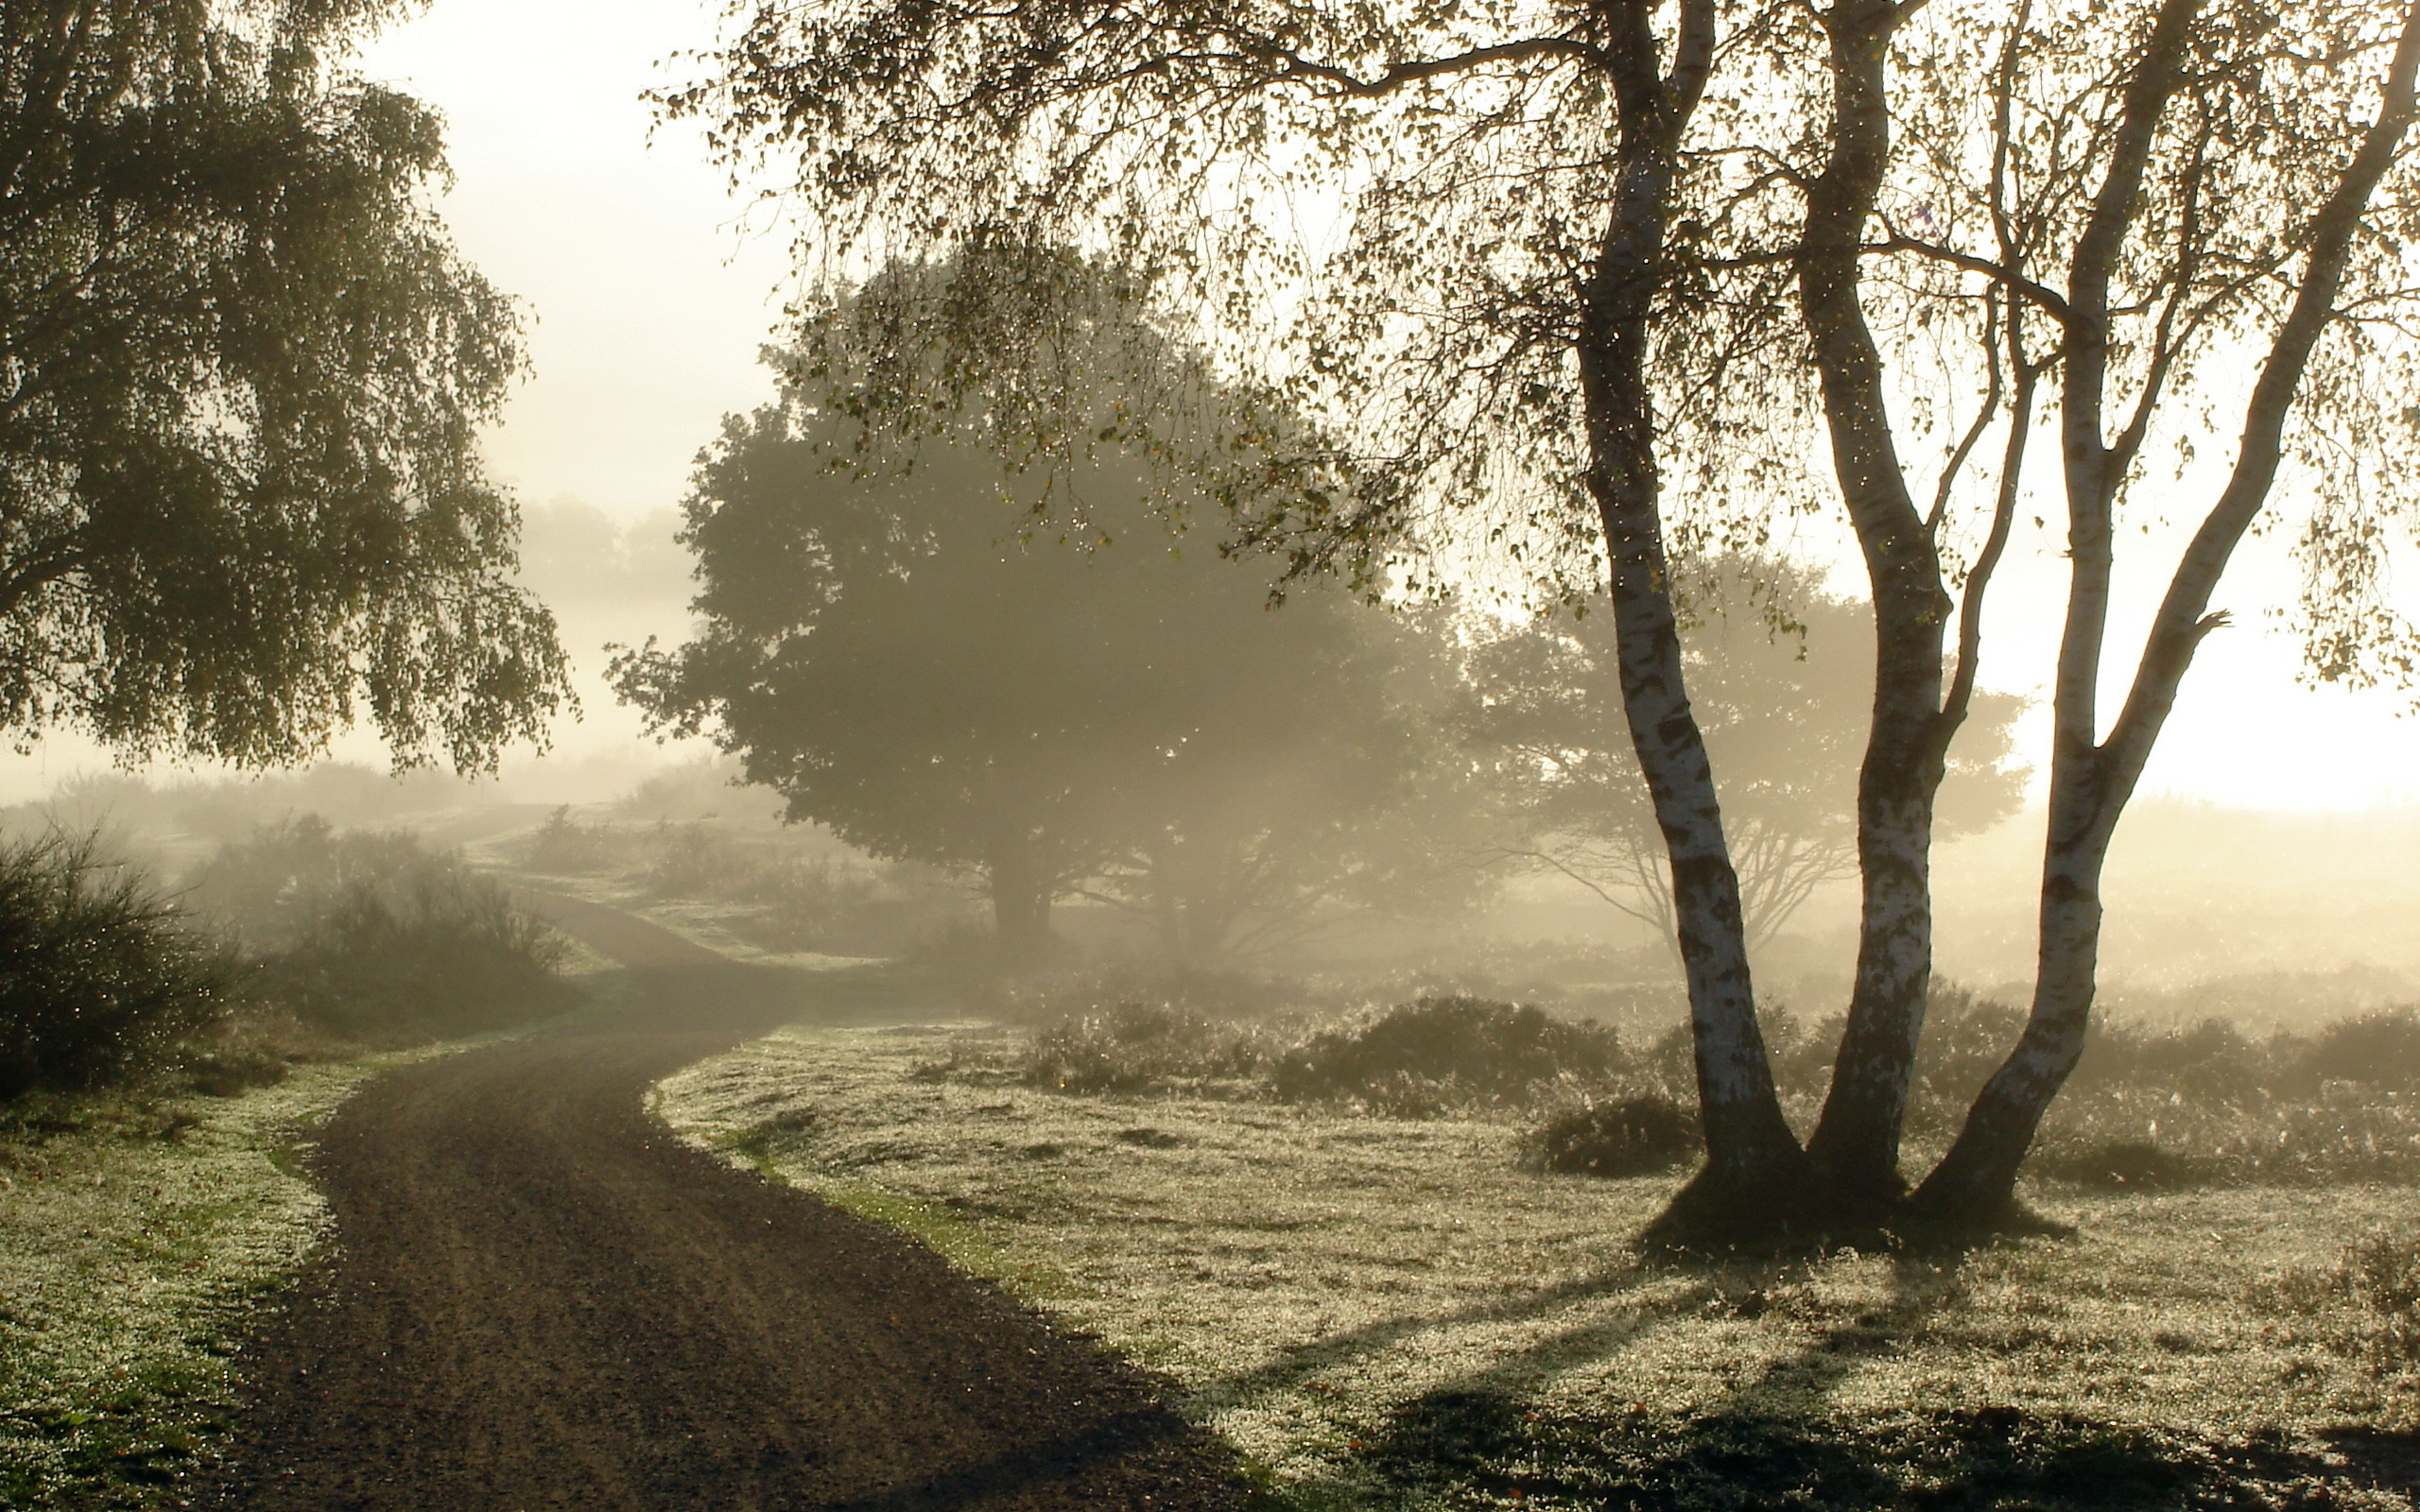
539	1299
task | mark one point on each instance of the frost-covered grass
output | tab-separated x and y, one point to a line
1390	1312
138	1239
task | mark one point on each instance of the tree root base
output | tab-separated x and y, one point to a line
1711	1219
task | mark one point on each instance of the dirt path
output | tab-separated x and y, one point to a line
540	1298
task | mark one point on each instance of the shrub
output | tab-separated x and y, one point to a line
1136	1047
100	977
691	860
374	938
1633	1135
2123	1165
2376	1049
2383	1274
1460	1048
565	847
806	904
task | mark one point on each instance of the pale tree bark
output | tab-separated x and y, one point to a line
1856	1144
2092	778
1753	1163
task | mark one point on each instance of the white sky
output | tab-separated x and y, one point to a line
649	304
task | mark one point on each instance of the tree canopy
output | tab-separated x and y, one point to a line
1781	672
896	642
241	370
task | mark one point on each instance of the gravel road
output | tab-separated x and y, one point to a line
539	1299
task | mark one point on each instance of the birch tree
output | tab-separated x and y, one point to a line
1527	260
242	374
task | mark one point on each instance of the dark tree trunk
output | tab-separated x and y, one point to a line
1021	890
1754	1168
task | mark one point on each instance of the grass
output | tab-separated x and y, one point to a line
139	1240
1391	1311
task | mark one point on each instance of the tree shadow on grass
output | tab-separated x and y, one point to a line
1295	1366
1772	1440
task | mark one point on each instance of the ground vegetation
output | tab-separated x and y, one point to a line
1405	1312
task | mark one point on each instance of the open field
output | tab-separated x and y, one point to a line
1388	1312
137	1241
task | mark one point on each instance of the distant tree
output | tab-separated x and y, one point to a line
1781	674
1330	795
241	369
897	642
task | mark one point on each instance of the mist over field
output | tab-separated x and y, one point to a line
1235	755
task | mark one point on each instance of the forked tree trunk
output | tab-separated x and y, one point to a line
2090	783
1754	1168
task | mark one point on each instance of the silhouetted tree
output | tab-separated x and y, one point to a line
1781	675
896	643
241	369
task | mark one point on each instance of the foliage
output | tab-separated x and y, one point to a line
1465	1048
1630	1136
372	938
245	369
565	846
893	641
100	975
1781	676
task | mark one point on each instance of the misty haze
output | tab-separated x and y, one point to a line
1241	755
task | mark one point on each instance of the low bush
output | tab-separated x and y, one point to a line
1136	1047
2376	1049
565	847
374	938
1447	1050
100	976
1630	1136
2121	1166
2383	1275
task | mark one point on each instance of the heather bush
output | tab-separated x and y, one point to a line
374	938
101	977
1627	1136
565	847
1453	1049
1136	1047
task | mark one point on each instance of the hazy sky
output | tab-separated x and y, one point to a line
650	300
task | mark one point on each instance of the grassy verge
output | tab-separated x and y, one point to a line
1387	1313
139	1238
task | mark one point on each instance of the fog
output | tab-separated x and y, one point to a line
1090	915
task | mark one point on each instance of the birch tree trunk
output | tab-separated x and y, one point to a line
1754	1171
1856	1144
2091	780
